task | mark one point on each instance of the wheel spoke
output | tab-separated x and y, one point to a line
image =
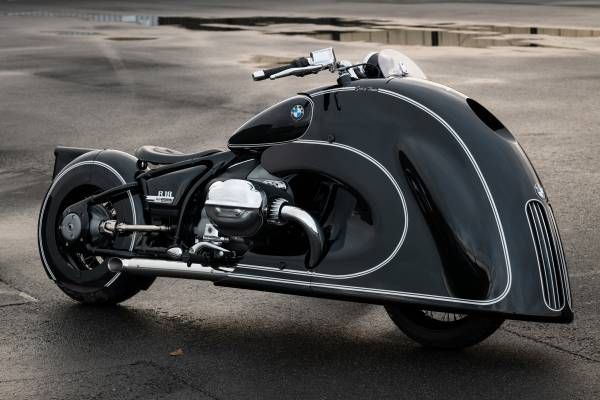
443	316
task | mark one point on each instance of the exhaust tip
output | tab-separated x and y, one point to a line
115	264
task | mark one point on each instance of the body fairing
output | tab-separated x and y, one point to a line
446	185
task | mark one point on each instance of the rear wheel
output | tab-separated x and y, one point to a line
443	330
78	272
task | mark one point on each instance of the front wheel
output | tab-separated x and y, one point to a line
443	330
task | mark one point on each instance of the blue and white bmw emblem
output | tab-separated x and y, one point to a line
297	112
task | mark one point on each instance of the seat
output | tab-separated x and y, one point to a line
162	155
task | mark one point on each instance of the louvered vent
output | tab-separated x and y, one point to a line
551	260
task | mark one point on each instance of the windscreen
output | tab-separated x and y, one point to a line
394	63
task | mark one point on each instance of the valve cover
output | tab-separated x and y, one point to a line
236	207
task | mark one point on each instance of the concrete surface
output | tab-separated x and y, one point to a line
62	81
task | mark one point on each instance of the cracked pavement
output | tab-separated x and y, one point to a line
63	82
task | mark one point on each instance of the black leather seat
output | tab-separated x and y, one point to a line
163	155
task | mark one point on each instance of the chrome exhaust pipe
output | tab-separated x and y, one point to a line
178	269
173	269
316	238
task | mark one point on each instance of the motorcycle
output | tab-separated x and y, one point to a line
383	188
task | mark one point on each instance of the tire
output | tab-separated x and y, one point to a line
81	275
443	330
101	296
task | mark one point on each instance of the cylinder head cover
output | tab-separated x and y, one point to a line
236	207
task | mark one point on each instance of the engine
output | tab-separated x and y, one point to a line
236	207
235	210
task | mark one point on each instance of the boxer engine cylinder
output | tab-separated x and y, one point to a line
237	208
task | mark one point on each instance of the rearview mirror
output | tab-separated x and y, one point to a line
323	57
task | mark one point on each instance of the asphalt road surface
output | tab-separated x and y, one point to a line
70	74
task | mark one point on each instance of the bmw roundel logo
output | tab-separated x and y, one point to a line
297	112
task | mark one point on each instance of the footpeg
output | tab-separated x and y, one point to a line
207	245
175	253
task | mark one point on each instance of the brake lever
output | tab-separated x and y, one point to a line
299	71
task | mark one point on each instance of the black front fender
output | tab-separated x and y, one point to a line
464	189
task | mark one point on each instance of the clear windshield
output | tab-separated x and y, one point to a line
394	63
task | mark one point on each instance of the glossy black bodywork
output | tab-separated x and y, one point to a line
274	125
445	184
420	191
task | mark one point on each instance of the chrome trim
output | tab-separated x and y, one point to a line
547	256
112	226
539	190
273	211
267	279
562	258
553	277
291	71
54	182
319	60
175	252
237	193
281	185
242	162
201	245
314	233
256	75
342	89
160	199
174	269
113	279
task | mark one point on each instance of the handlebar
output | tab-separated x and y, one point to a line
268	73
319	60
376	65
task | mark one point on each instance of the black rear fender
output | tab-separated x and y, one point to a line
64	155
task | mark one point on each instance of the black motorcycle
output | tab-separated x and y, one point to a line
384	188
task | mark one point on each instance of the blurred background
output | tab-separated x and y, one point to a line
120	74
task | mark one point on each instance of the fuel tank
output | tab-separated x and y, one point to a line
284	122
440	206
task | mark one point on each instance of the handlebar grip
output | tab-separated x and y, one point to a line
266	73
263	74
